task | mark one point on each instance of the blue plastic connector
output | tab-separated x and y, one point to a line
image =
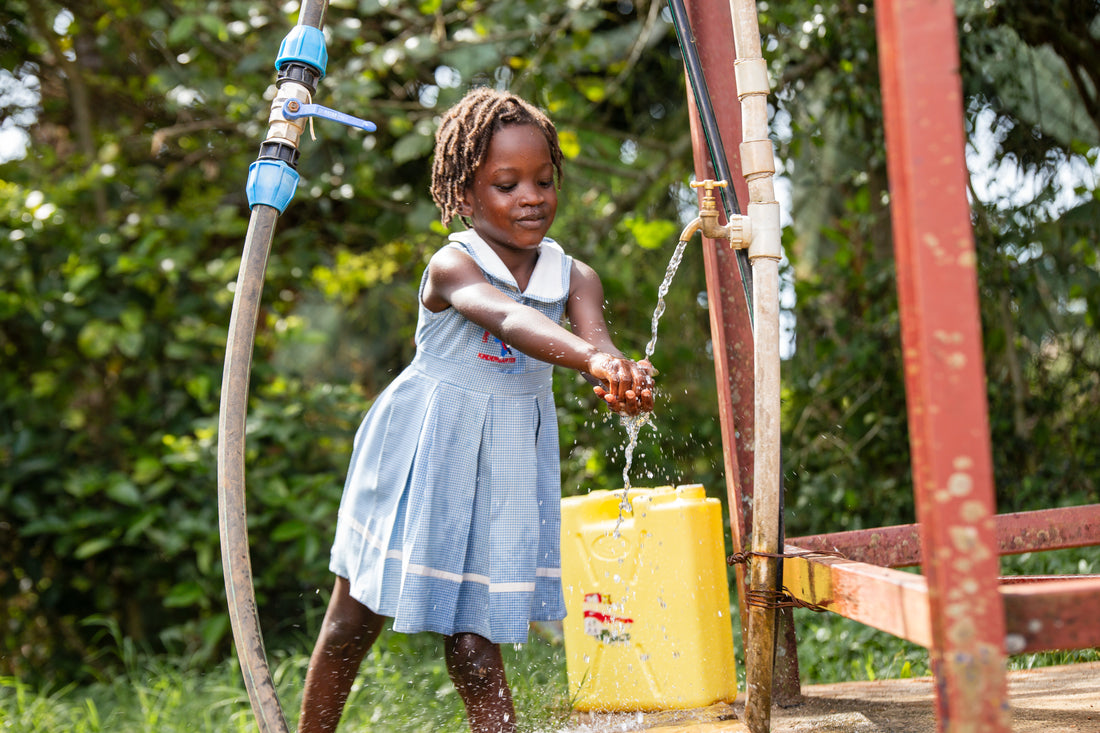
271	182
306	44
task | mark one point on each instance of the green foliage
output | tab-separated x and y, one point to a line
1040	279
1029	82
835	649
120	240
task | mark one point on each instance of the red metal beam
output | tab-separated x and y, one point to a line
1048	529
1006	580
890	547
890	600
1041	612
1019	532
1052	614
942	351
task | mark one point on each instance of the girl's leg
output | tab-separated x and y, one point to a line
348	631
477	670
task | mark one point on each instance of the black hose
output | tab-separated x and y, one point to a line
711	132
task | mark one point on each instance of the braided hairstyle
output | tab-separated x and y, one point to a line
462	142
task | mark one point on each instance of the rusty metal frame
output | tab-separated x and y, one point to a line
1017	533
1042	613
730	321
968	617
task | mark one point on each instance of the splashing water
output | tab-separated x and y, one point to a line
633	423
662	291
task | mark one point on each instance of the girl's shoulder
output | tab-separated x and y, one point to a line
549	281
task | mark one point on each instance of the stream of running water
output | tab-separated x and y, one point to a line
633	423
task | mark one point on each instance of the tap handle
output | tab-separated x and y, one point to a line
708	187
293	109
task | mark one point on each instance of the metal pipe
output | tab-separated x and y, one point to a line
232	515
765	251
709	122
945	378
313	14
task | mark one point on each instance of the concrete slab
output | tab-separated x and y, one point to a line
1064	699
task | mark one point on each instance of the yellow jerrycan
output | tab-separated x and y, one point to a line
647	597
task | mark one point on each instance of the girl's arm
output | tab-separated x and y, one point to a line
585	312
455	280
585	308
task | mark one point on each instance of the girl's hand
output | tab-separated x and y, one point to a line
626	386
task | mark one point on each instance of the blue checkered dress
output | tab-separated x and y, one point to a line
450	519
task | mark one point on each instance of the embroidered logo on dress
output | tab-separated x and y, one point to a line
504	357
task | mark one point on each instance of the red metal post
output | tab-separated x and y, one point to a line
942	349
731	326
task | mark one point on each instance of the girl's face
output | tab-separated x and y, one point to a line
513	198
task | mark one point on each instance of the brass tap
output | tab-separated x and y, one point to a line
738	231
708	210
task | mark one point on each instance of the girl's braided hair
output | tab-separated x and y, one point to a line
463	137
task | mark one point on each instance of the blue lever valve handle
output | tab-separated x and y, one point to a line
271	182
293	109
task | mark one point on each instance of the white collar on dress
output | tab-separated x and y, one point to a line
546	281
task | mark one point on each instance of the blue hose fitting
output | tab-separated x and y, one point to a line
305	44
272	183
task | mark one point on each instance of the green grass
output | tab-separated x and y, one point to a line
403	685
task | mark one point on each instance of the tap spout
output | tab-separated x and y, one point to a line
738	230
693	226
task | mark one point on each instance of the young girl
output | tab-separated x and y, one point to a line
450	518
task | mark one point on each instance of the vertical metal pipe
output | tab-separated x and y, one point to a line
730	319
313	13
944	372
758	166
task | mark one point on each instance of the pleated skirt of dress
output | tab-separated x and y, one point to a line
450	519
